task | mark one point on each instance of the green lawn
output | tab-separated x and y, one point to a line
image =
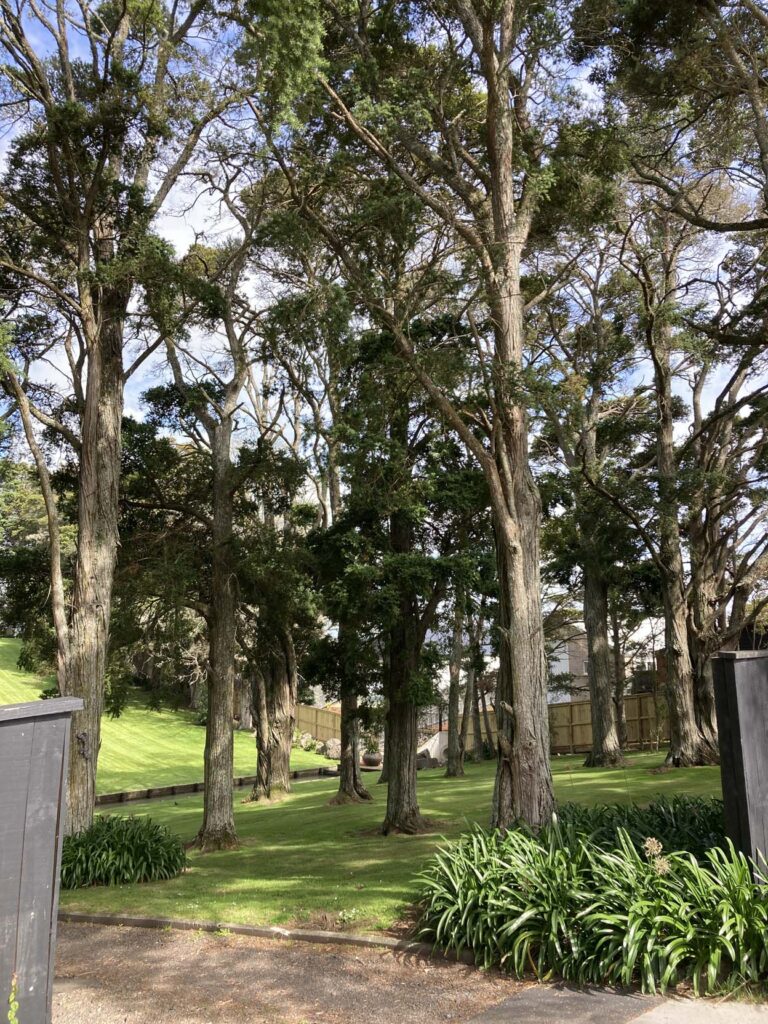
142	748
304	861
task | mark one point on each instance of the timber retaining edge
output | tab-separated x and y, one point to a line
183	788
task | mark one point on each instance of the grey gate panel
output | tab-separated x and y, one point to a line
741	699
34	743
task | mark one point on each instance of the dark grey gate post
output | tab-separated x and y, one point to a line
741	700
34	743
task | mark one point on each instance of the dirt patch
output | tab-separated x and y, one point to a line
407	926
108	975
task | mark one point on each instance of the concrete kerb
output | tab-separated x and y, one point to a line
411	948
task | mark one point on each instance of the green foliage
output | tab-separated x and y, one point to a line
284	43
13	1001
561	902
144	16
25	564
679	822
119	851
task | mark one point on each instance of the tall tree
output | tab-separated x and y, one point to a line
108	105
206	394
306	332
594	415
455	750
459	107
387	452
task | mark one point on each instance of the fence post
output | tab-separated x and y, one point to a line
741	702
34	741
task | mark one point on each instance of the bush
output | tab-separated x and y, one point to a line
559	903
117	851
690	823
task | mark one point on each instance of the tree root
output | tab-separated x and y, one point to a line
345	796
410	825
213	840
609	760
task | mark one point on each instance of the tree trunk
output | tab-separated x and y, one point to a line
97	544
455	766
403	814
619	680
523	789
704	551
478	750
686	742
704	703
283	691
262	789
466	713
688	746
489	741
383	778
244	706
351	786
606	748
401	662
217	831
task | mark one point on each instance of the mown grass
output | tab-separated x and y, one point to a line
303	861
141	748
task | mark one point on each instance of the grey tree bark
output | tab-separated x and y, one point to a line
401	735
243	704
262	788
688	745
455	752
383	778
403	813
217	831
606	746
351	789
97	543
619	679
282	690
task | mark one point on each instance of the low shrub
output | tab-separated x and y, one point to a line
559	903
117	851
691	823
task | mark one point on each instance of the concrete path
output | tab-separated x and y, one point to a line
558	1004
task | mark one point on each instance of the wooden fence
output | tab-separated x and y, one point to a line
570	726
321	723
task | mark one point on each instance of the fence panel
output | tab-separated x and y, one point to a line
570	724
321	723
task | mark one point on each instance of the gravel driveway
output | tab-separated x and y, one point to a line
108	975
